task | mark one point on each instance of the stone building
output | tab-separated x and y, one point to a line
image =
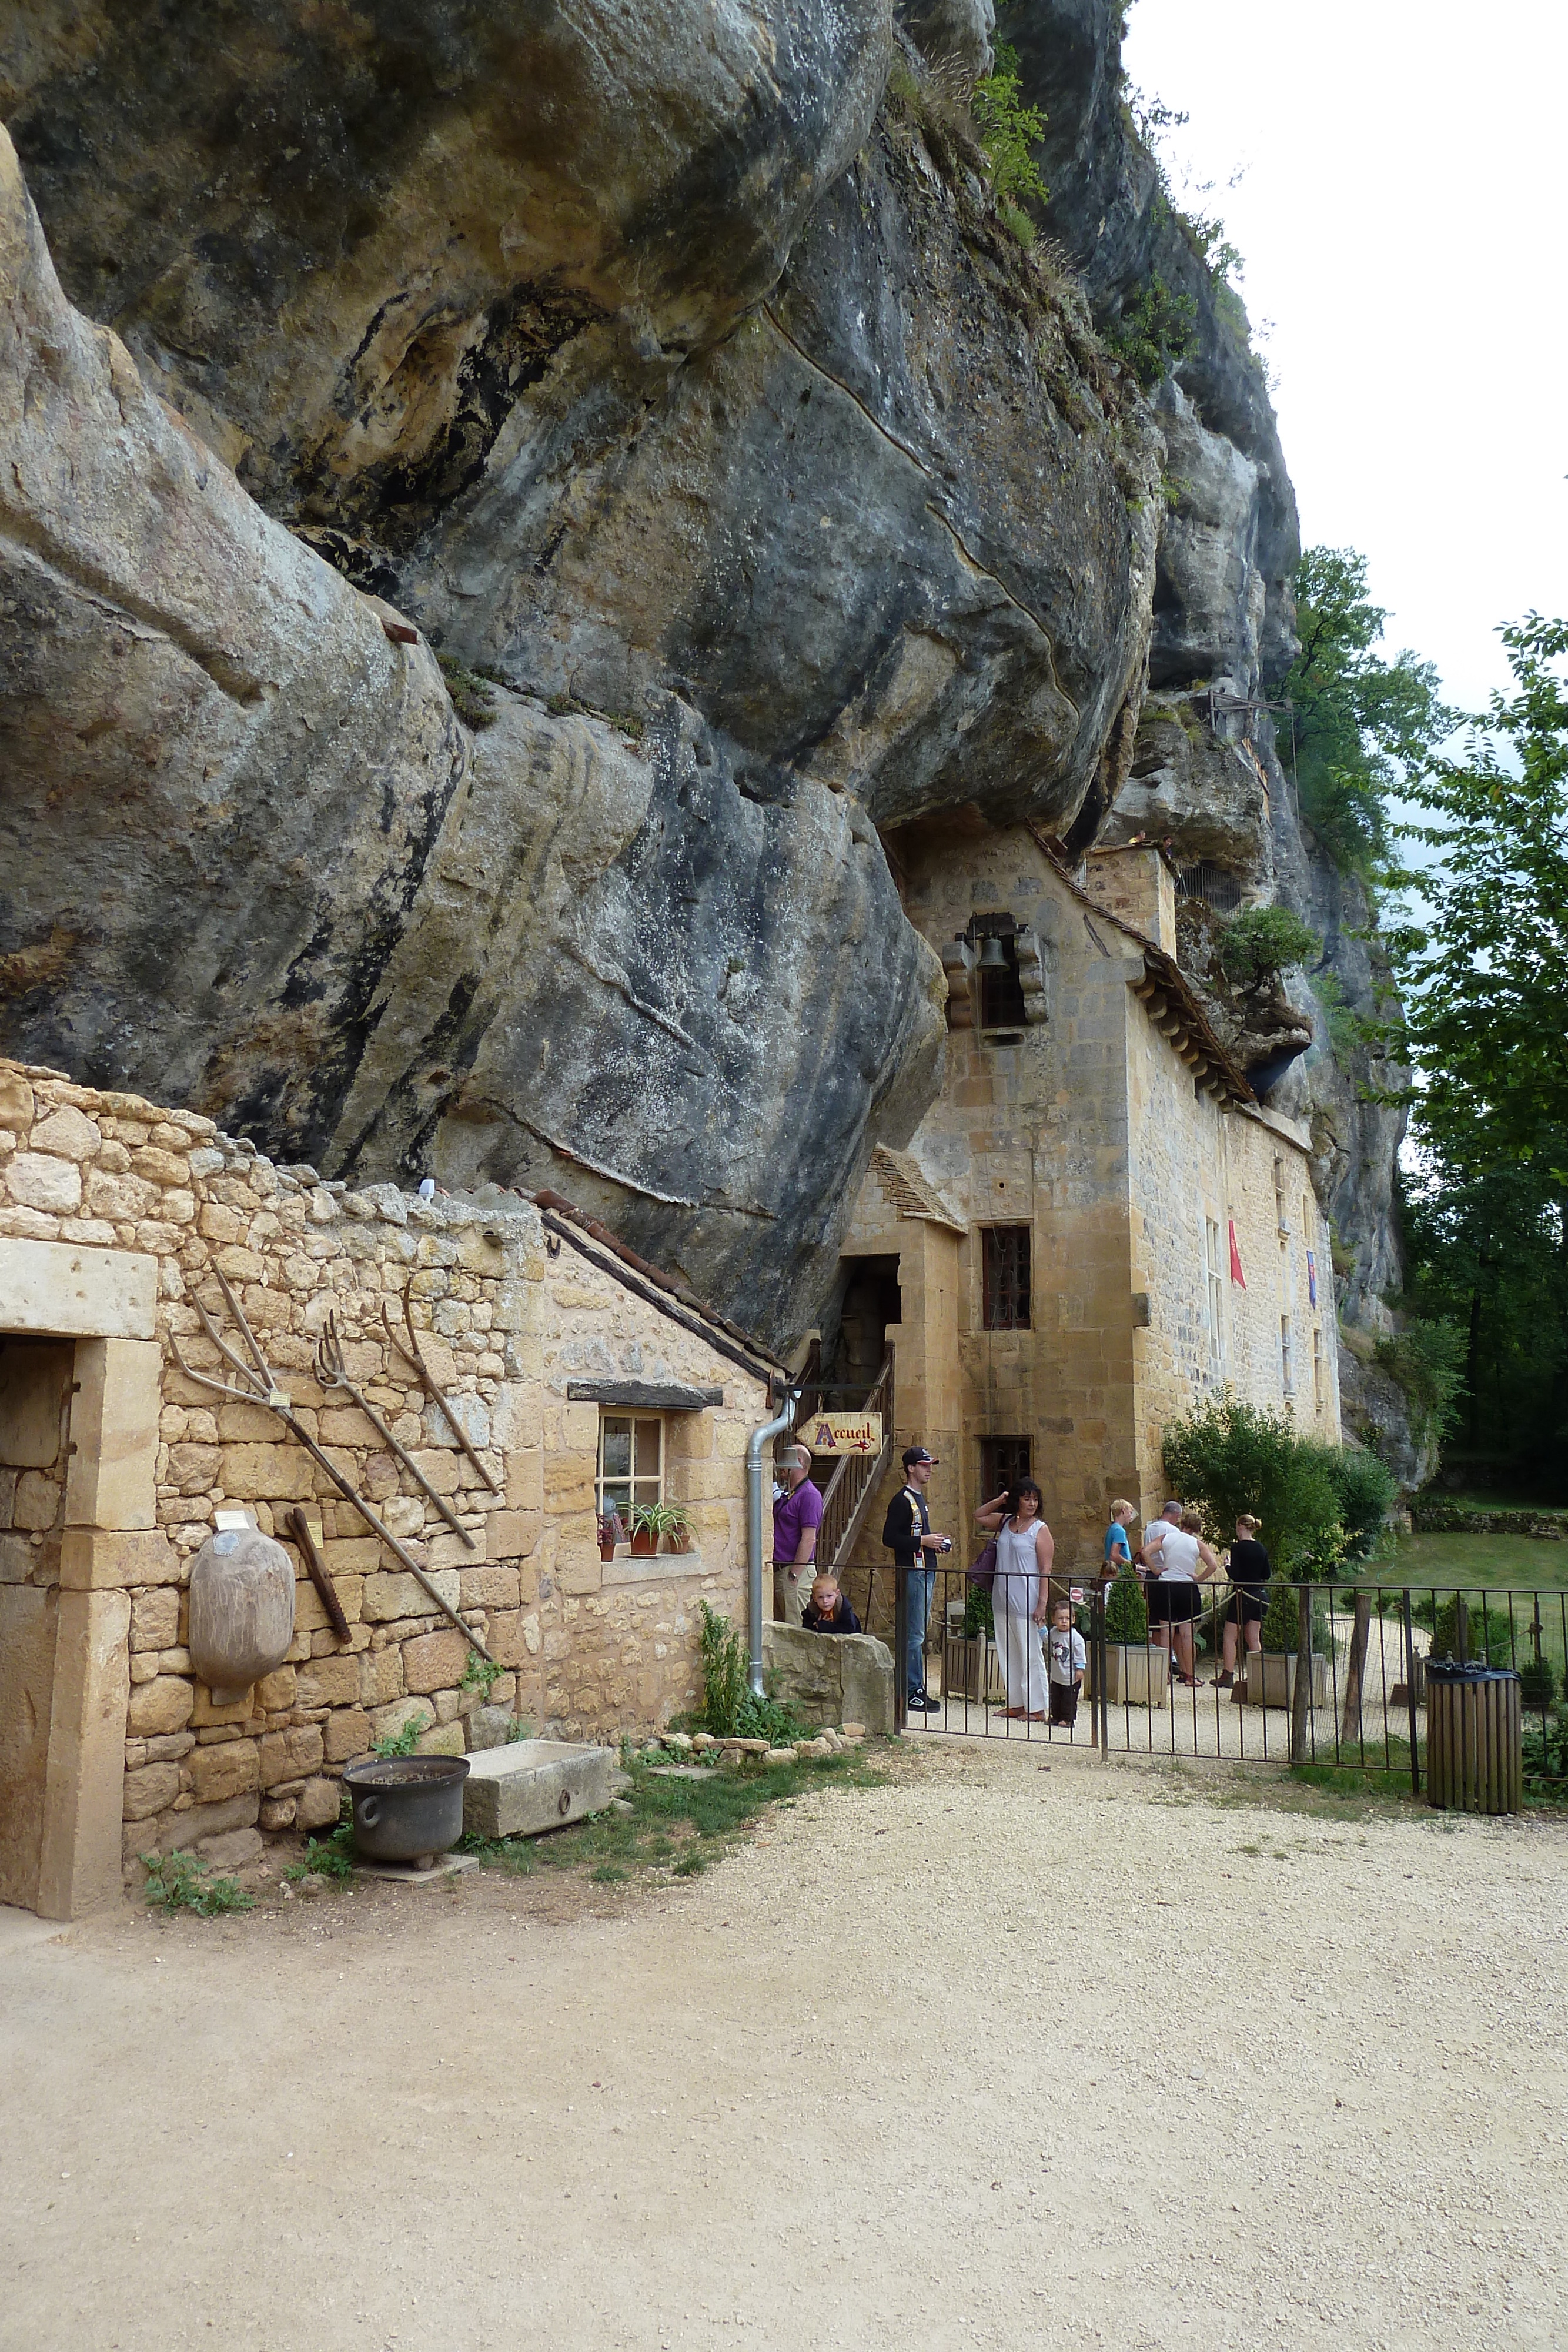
1096	1224
571	1367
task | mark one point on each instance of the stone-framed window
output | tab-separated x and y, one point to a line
1003	1462
1318	1381
1005	1277
1287	1361
630	1469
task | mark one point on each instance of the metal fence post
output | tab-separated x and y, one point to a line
1101	1664
1410	1692
900	1645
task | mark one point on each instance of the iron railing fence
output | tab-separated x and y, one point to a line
1359	1704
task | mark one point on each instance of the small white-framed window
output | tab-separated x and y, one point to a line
630	1468
1286	1363
1214	1285
1318	1368
1280	1217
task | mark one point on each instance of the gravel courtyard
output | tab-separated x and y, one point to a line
1013	2049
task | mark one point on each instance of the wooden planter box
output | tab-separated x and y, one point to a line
1136	1675
972	1670
1271	1679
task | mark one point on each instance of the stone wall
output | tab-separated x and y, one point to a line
506	1315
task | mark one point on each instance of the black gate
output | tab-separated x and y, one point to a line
1338	1676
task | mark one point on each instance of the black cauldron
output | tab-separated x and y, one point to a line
407	1808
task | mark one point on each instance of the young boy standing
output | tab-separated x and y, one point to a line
1067	1660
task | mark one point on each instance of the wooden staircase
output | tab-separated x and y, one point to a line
850	1492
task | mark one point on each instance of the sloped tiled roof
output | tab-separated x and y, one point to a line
906	1187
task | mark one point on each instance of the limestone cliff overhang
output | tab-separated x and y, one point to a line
1167	996
909	1191
602	1248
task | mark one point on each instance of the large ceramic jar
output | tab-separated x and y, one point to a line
242	1611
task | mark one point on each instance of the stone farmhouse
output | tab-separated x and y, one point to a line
576	1373
1095	1225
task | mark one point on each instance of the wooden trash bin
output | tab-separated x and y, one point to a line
1474	1725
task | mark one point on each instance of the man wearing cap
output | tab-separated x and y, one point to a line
908	1534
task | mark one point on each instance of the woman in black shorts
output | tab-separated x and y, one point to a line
1249	1573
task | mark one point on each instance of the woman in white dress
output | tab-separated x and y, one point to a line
1020	1597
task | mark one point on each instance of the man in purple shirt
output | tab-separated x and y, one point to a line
797	1516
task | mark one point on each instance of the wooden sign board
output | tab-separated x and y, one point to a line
844	1432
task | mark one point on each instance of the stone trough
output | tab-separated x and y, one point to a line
533	1785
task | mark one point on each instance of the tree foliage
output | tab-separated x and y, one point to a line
1156	328
1008	131
1318	1505
1256	945
1361	724
1483	972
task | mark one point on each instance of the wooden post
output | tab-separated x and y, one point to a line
1355	1668
1300	1698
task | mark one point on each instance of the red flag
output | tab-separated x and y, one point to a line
1236	1273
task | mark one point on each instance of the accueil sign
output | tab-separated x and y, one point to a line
844	1432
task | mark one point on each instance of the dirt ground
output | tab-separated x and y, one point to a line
1011	2050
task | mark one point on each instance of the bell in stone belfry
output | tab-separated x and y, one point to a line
993	955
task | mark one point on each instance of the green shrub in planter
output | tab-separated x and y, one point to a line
978	1615
1487	1639
1538	1683
1281	1628
1126	1611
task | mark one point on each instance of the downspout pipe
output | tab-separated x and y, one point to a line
755	1561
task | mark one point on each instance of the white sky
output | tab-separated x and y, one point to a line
1401	222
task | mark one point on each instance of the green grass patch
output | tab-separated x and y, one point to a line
673	1825
1524	1563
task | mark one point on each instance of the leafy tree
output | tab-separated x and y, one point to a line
1317	1505
1483	972
1361	724
1155	330
1483	1249
1008	131
1258	944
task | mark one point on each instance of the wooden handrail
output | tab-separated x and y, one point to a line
856	1477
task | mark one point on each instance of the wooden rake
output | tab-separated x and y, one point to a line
259	1385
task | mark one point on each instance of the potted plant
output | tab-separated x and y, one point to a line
651	1522
1136	1675
1272	1673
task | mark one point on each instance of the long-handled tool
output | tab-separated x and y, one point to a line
333	1374
259	1386
410	1352
298	1527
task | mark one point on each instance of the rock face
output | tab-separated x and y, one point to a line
508	504
1205	775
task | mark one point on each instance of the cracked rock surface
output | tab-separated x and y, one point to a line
505	506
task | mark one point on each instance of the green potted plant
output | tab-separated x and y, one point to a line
1136	1675
1271	1676
653	1522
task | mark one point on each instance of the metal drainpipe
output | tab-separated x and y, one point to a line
753	1526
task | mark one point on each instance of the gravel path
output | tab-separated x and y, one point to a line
1011	2050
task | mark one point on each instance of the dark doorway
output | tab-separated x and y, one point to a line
866	1299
